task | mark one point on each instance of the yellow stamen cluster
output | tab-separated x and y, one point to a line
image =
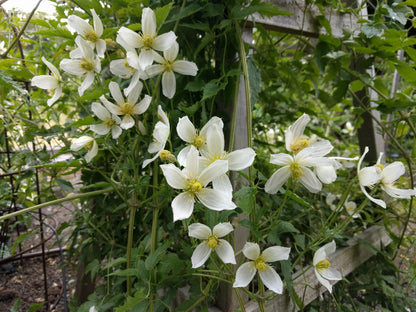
147	41
198	141
212	241
167	156
109	123
86	65
91	36
89	145
295	170
127	109
168	66
324	264
260	264
194	186
379	166
299	145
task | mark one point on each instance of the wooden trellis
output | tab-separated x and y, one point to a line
305	21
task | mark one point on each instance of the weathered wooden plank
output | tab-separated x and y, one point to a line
345	259
304	19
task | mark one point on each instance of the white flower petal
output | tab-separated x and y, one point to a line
327	174
145	58
275	253
172	53
127	122
310	181
392	172
295	131
164	41
143	105
369	175
398	193
168	84
100	129
251	250
281	159
46	82
215	141
52	68
182	206
118	68
154	70
56	96
186	129
275	182
88	80
183	155
100	111
72	67
222	229
271	279
130	37
330	274
148	22
223	184
215	200
241	159
323	281
225	251
77	23
377	201
100	47
116	92
199	230
115	132
98	25
92	152
80	142
200	255
174	176
214	170
244	274
185	68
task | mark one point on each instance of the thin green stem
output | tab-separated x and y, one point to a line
55	202
240	300
133	208
260	298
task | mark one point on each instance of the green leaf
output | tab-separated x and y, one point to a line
154	258
16	305
246	197
357	85
287	274
162	13
190	110
126	272
298	199
82	122
57	32
93	267
36	306
284	227
371	30
406	71
213	87
64	185
138	302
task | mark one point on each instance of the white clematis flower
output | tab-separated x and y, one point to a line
237	160
324	272
295	141
168	65
350	207
49	82
297	168
369	176
87	143
148	40
268	275
84	65
160	136
193	182
90	34
390	174
187	132
110	121
212	241
128	107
